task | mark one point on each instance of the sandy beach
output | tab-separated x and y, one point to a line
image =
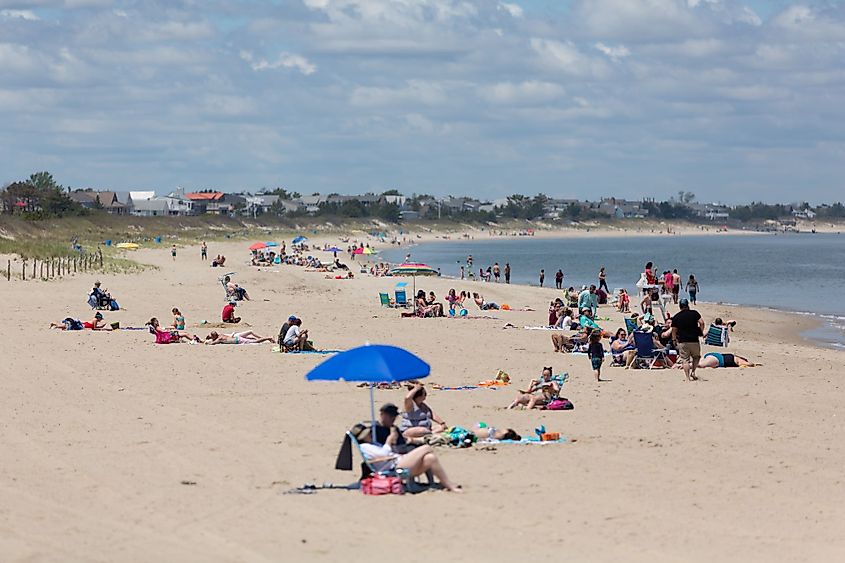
101	430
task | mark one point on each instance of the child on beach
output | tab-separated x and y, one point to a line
178	319
595	352
173	252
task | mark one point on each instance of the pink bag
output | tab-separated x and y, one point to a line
382	485
561	404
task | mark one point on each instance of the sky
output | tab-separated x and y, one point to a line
733	100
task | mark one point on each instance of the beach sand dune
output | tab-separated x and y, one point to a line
115	449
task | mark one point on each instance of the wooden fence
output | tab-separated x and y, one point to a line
58	267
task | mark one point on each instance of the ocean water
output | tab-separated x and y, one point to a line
802	273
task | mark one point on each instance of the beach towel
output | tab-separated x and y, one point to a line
544	328
530	440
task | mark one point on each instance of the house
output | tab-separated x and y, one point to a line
311	203
156	207
554	208
620	208
112	204
178	203
808	214
260	204
711	211
142	195
86	198
216	203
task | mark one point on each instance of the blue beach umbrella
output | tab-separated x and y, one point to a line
371	364
299	239
269	243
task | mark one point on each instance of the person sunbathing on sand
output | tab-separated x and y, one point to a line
485	432
97	323
484	305
417	461
244	337
717	360
540	392
419	420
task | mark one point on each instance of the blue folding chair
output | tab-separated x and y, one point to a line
647	355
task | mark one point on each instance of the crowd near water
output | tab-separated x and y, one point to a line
800	273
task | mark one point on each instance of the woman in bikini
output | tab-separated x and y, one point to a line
539	393
243	337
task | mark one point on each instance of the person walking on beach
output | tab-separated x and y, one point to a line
542	277
687	328
507	272
173	252
496	271
559	279
692	288
603	280
595	351
676	285
462	271
204	251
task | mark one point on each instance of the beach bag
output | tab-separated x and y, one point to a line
113	306
460	437
561	404
382	485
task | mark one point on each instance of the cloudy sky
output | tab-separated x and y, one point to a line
735	100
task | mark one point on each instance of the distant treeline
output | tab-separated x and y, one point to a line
41	197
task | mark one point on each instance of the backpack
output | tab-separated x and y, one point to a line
377	484
561	404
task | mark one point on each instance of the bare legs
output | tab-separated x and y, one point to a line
422	459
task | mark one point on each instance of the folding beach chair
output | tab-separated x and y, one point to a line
717	336
411	485
402	298
385	300
647	356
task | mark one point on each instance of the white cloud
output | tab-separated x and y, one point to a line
284	60
27	15
514	10
412	92
531	91
614	53
566	57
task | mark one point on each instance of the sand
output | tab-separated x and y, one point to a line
100	430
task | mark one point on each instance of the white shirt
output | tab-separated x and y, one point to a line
292	333
371	451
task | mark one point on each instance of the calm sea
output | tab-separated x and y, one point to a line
803	273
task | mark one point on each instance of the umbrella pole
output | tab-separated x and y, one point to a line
373	437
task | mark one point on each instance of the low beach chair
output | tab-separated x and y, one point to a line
411	485
401	298
385	300
717	336
647	355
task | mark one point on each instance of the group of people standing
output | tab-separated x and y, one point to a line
492	273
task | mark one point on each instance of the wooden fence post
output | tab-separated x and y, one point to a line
101	258
74	264
8	270
23	271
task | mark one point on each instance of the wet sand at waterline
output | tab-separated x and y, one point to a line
100	430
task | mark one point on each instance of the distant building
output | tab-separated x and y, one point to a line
151	208
808	214
621	209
